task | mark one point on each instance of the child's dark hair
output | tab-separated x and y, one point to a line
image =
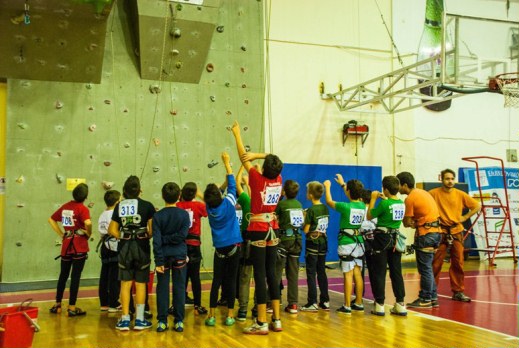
132	187
189	191
80	193
291	189
272	166
111	197
355	187
170	192
391	184
366	196
406	178
316	189
213	196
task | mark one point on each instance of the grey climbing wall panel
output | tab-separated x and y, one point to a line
159	130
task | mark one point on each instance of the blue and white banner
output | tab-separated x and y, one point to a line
493	185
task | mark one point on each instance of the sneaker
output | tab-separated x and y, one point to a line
148	315
325	306
229	321
102	309
222	302
292	309
399	309
189	302
256	329
310	308
357	307
179	326
114	309
419	303
270	310
75	312
200	310
242	315
344	309
435	303
275	325
460	296
56	308
210	321
171	310
142	324
378	310
161	327
123	325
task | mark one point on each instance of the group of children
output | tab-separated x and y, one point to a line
254	232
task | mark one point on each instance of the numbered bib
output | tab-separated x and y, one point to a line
67	218
357	216
322	224
296	218
272	194
398	212
190	212
128	208
239	215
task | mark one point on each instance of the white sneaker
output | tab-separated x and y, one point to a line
398	309
379	310
256	329
309	307
275	325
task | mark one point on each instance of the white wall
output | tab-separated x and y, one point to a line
304	48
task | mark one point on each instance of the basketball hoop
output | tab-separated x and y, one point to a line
509	86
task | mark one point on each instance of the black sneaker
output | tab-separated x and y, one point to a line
221	302
200	310
189	302
459	296
419	303
148	315
357	307
171	310
435	303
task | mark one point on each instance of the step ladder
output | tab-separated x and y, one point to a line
495	214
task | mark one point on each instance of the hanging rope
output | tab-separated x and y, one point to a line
390	36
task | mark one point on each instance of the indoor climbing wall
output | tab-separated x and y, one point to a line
156	128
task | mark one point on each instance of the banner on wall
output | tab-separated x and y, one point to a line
493	191
371	177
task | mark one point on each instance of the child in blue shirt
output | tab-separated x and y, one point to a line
227	239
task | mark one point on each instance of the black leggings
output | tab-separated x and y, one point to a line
193	273
77	268
263	261
225	272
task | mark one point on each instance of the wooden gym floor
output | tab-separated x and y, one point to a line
489	321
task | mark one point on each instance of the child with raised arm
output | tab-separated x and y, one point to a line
315	226
265	193
227	239
77	228
245	267
196	211
350	243
389	213
109	285
170	229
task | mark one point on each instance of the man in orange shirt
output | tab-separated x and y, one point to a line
451	203
422	214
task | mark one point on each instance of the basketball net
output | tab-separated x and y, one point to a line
510	90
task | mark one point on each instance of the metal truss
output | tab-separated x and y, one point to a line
398	90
